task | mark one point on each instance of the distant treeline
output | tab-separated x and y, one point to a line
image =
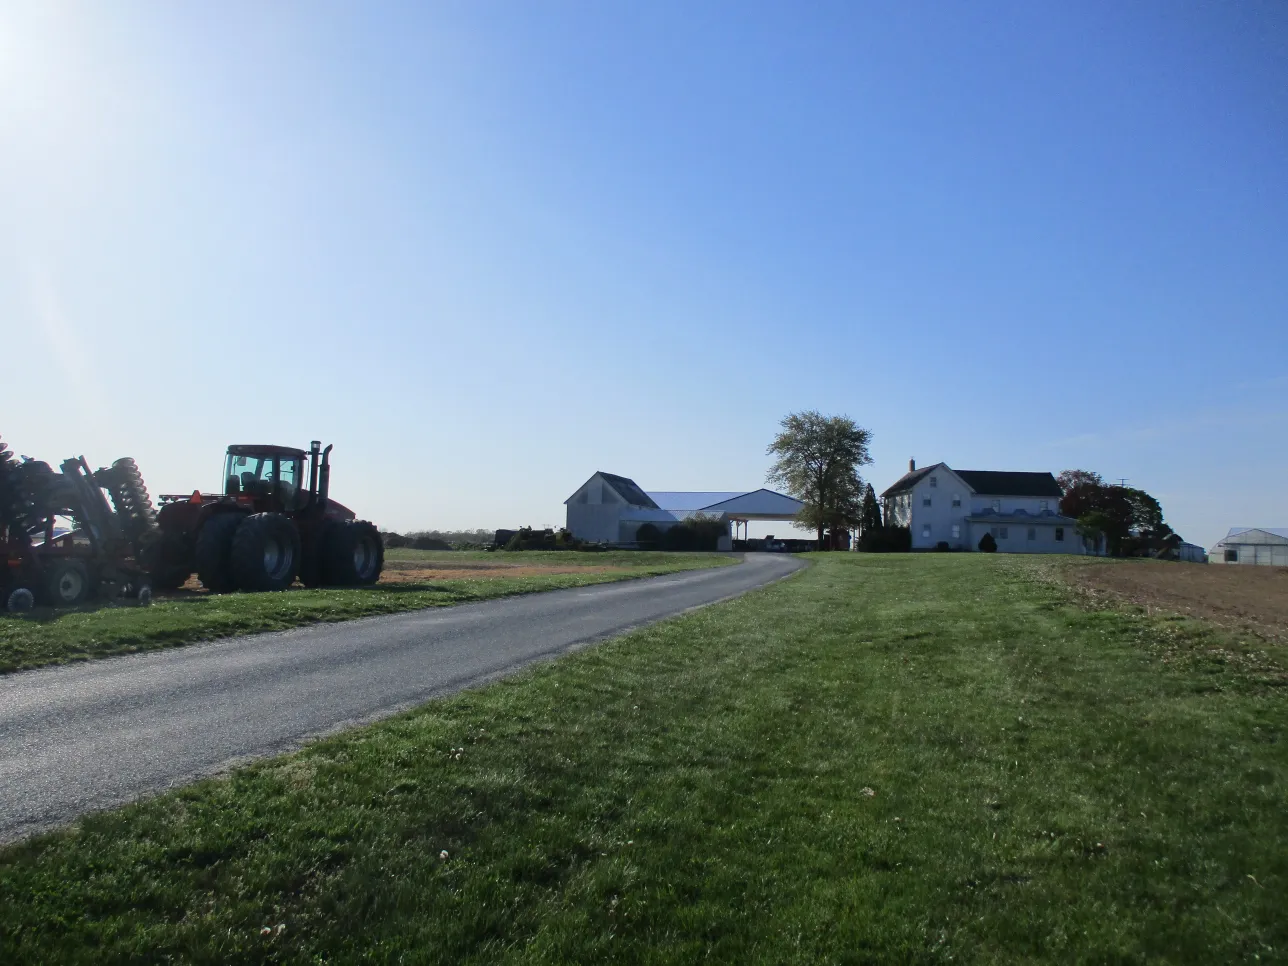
440	539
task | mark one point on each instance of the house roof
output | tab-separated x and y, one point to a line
986	482
628	490
993	483
910	479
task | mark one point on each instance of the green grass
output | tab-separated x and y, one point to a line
885	759
53	637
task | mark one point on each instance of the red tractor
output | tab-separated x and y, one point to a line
270	525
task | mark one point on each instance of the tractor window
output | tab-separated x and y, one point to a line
261	476
291	486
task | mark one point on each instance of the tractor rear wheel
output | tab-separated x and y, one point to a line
164	561
214	551
266	552
353	554
67	584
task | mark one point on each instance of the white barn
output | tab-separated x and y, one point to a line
608	508
1267	546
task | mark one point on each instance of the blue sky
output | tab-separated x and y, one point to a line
489	248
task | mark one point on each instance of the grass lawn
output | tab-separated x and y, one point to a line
884	759
52	637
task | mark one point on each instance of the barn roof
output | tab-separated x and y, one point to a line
756	503
628	490
691	500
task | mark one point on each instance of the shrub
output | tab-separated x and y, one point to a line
648	536
987	544
526	538
886	540
394	540
942	546
695	533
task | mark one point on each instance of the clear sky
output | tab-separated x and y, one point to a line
488	248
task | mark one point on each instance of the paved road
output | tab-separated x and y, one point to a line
85	737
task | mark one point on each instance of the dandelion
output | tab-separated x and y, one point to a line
867	792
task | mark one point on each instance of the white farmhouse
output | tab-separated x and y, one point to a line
957	507
1252	545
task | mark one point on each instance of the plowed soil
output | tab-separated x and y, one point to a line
1249	598
398	572
402	572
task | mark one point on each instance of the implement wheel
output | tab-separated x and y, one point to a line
353	554
214	551
67	584
266	552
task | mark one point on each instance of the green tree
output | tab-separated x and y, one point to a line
870	516
1130	520
817	460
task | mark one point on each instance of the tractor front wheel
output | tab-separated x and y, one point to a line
214	552
266	552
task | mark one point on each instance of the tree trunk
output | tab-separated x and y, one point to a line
820	537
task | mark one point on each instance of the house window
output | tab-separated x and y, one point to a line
997	506
1044	504
934	481
957	499
925	501
1003	533
957	531
925	529
1232	556
1033	533
1059	533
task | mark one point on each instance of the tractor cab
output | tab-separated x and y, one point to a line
273	478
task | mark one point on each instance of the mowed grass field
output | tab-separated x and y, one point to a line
413	579
885	759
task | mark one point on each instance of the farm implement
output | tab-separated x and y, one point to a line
75	535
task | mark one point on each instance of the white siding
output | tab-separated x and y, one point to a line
941	516
595	522
981	502
1253	554
1017	537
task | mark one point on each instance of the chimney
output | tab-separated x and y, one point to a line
912	466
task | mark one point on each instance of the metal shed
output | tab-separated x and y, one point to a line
1264	546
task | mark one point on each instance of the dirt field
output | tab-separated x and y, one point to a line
403	572
1246	598
416	572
